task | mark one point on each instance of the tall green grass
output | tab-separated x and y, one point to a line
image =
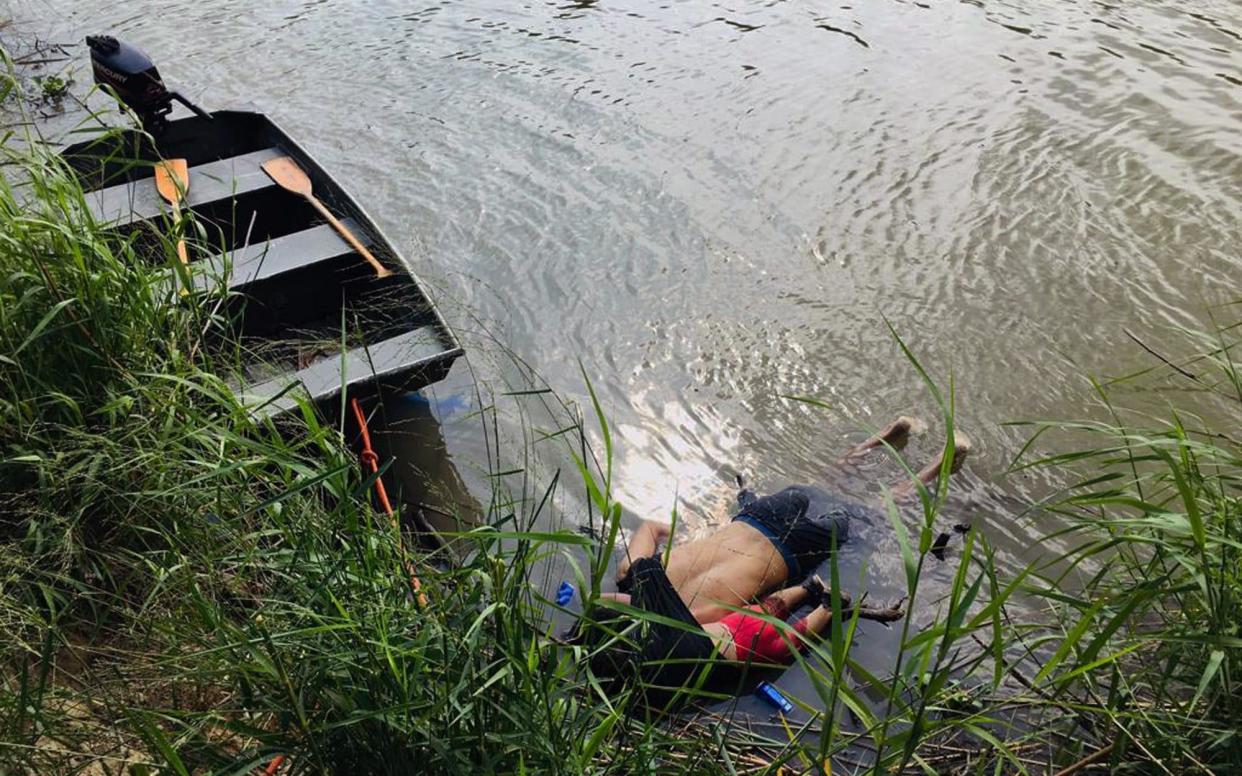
948	703
1151	637
185	587
1117	648
125	460
188	587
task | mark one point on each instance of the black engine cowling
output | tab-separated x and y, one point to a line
136	82
133	77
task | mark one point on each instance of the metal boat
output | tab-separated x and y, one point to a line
310	313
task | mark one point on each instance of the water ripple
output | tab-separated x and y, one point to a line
715	206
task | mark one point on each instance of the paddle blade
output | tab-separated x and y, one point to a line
287	175
172	179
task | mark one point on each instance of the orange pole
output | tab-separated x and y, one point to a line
372	461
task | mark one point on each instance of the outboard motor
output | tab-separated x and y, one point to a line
135	81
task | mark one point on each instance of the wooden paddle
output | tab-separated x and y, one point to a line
172	180
286	173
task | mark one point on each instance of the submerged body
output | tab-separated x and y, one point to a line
729	568
771	542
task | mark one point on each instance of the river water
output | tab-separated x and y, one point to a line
713	206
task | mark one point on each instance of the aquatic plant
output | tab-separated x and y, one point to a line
187	587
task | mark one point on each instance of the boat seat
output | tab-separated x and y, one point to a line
399	355
270	258
139	200
292	283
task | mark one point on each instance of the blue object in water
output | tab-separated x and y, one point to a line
443	407
564	594
773	696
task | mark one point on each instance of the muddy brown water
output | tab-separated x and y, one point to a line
713	206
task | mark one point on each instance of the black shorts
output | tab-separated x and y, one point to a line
801	522
670	654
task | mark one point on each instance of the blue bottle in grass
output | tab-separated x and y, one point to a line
773	697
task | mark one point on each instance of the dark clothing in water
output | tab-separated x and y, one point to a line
801	522
672	653
664	657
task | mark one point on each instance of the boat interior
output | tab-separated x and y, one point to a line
302	302
305	310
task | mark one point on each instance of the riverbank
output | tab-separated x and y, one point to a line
190	589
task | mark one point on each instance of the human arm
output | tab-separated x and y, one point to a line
643	542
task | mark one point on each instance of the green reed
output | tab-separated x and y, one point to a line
186	587
1118	648
937	709
1150	638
